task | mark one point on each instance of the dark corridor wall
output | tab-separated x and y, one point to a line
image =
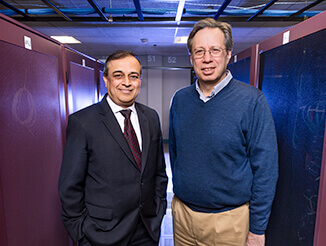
293	79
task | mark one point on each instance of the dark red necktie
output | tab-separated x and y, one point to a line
131	137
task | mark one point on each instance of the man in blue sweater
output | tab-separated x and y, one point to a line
223	149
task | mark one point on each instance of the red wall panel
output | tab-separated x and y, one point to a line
31	147
13	32
34	109
82	80
82	87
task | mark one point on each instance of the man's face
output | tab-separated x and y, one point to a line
209	69
123	80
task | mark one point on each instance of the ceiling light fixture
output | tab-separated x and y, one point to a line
181	40
66	39
179	11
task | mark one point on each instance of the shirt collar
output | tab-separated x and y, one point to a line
217	88
116	108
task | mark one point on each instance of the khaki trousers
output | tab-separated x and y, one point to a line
209	229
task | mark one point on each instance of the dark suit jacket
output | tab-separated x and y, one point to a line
102	191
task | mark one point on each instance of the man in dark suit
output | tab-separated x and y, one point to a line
114	193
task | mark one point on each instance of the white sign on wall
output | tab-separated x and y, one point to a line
28	42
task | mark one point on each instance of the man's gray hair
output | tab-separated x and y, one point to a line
211	23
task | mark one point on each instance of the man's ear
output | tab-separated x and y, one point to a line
105	81
229	55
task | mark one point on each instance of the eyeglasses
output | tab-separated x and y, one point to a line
214	52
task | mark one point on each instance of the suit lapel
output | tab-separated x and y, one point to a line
144	128
111	123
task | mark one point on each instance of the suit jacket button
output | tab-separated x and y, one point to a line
141	206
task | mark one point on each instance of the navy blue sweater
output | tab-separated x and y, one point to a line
224	152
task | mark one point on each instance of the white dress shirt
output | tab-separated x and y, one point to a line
217	88
120	118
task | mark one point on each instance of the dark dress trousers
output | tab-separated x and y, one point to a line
103	193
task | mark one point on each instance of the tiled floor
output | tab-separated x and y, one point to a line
167	229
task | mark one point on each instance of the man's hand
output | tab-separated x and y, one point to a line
255	240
